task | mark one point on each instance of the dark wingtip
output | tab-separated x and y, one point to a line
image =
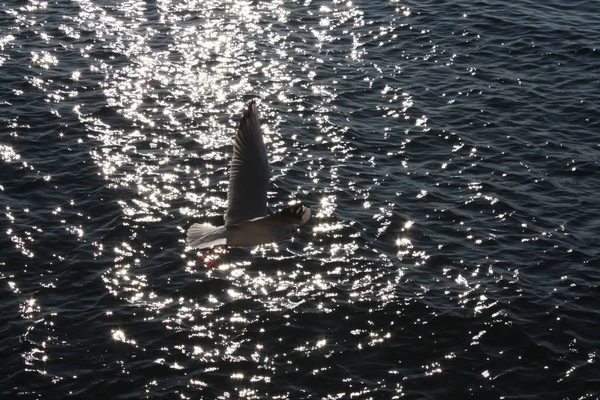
299	212
249	111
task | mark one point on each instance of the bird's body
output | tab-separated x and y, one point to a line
255	232
247	221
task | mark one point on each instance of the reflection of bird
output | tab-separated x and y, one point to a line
247	221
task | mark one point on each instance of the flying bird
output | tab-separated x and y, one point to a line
247	220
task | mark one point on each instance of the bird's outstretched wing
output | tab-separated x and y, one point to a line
249	173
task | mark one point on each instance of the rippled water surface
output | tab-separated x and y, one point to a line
449	150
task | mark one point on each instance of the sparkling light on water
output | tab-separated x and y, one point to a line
437	186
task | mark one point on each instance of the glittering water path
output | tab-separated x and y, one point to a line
449	150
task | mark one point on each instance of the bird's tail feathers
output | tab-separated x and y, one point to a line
205	235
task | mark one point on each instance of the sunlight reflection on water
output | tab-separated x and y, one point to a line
439	224
166	137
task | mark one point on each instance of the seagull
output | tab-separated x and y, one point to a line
247	220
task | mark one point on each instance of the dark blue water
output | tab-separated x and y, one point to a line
449	149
